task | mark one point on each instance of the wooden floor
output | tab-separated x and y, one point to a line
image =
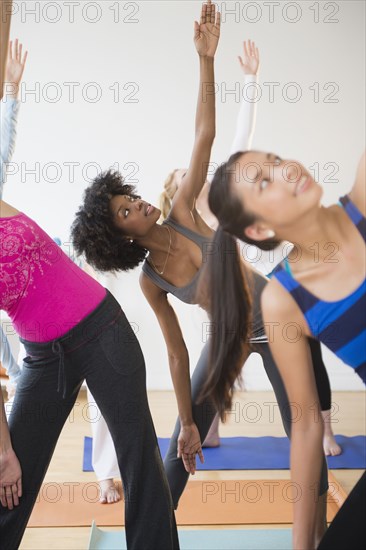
254	414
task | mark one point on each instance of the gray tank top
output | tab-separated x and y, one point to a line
187	294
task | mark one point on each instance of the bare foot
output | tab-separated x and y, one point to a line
109	493
213	438
211	442
330	446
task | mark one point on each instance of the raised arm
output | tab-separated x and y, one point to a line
189	443
5	19
294	363
245	125
9	105
358	193
206	37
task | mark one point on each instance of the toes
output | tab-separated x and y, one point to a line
336	450
113	495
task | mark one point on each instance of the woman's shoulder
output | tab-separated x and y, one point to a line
191	221
277	300
358	194
7	211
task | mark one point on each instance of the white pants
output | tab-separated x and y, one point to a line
104	459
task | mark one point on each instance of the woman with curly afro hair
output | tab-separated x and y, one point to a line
115	229
95	234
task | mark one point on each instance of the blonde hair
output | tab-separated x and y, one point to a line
166	197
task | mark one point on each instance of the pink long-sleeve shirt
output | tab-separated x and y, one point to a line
44	293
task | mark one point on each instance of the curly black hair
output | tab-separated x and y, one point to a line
93	233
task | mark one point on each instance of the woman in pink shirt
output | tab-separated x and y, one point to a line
73	330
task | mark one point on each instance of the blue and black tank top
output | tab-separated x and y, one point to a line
340	325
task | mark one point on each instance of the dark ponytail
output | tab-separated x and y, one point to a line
225	287
229	304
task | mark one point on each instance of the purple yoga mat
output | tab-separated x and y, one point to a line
259	453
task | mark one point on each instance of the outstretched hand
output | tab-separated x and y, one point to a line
15	65
250	60
207	32
10	480
189	444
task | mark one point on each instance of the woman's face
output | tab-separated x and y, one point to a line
278	192
134	217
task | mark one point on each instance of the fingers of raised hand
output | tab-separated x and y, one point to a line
245	48
211	12
203	14
218	20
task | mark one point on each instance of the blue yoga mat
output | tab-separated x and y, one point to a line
260	453
204	539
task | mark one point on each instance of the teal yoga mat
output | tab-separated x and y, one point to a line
204	539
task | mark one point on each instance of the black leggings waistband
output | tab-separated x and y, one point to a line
106	313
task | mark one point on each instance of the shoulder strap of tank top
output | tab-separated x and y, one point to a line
354	214
192	235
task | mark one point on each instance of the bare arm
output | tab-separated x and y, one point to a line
5	20
189	443
206	40
358	194
293	359
245	123
9	106
10	471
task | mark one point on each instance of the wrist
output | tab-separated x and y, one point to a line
11	89
186	421
206	58
5	448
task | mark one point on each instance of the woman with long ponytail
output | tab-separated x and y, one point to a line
324	300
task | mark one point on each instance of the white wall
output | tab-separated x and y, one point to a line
155	134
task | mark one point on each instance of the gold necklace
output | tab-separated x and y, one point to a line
167	256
